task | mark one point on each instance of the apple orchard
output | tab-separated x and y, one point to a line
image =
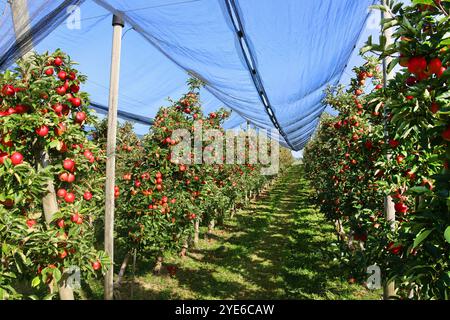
389	142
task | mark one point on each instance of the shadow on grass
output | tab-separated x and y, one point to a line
277	248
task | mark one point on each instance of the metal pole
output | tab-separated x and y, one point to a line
389	288
118	25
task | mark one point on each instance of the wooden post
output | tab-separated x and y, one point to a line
118	25
389	210
21	22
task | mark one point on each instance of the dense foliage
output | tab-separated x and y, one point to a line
44	147
393	141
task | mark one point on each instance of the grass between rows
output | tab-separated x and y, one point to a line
279	247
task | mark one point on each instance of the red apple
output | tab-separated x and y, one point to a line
435	65
61	90
42	131
434	108
60	223
74	88
395	249
401	207
58	61
80	117
70	177
411	81
69	165
57	107
75	218
3	157
61	193
31	223
70	197
63	254
417	65
20	109
87	196
446	134
62	75
76	102
8	90
96	265
72	76
49	71
88	154
16	158
393	143
440	72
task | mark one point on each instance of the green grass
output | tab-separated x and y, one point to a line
277	248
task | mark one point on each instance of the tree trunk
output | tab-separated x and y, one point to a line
65	291
196	231
134	274
233	211
123	267
50	207
210	229
158	265
340	230
220	218
184	249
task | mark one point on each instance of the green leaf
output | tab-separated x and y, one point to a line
447	234
56	274
36	281
378	7
422	235
427	2
419	189
54	144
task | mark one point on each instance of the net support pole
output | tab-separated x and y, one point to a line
389	210
118	25
21	20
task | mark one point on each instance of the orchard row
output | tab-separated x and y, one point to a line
52	177
392	141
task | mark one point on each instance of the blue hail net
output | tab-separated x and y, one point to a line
268	61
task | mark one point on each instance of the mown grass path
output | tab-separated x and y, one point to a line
277	248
